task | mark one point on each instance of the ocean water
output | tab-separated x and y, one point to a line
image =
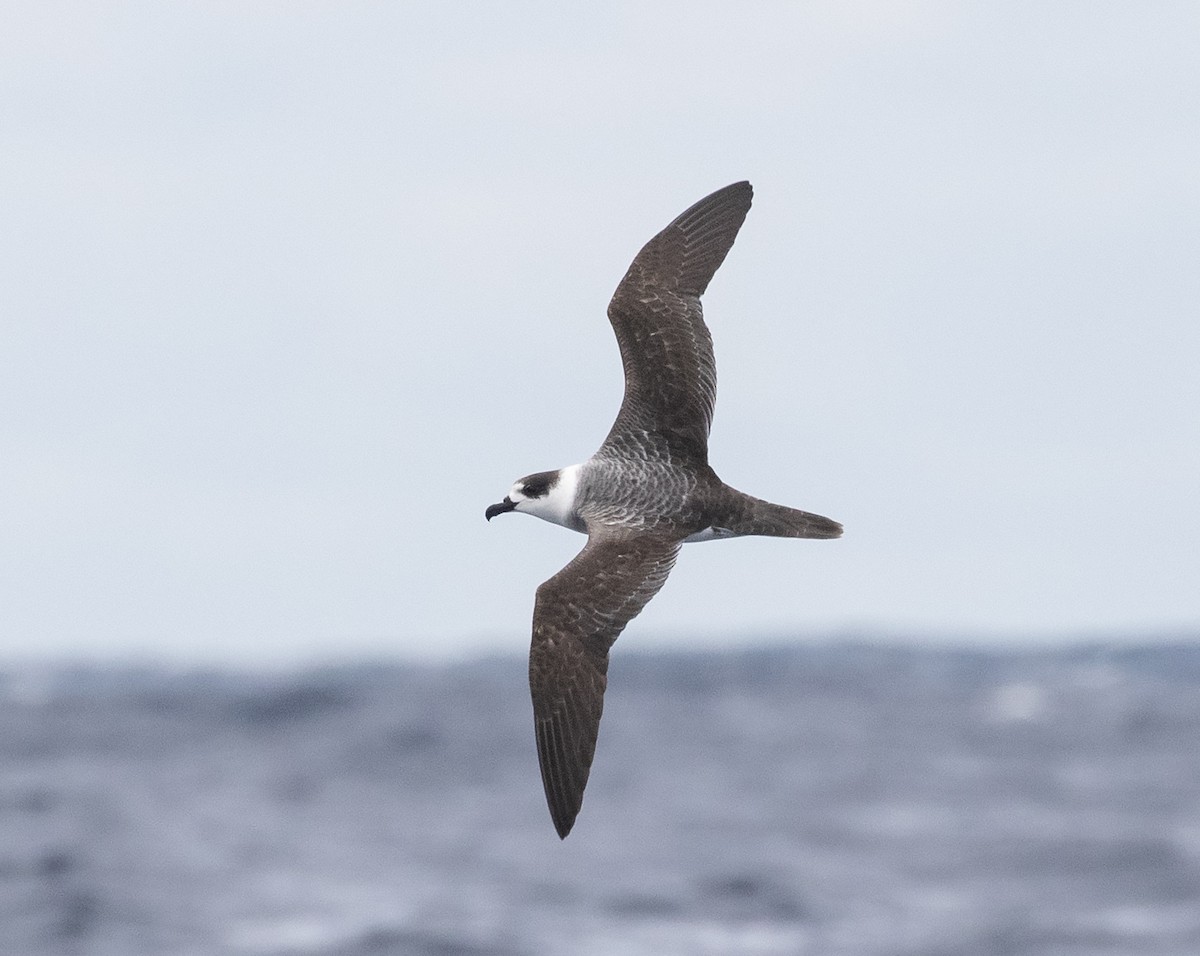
841	799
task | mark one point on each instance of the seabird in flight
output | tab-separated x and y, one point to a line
647	491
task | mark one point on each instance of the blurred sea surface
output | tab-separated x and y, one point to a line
833	799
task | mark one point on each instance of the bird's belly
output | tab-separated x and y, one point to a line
710	534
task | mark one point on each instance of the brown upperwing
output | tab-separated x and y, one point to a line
670	374
577	616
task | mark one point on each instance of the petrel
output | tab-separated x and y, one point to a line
647	491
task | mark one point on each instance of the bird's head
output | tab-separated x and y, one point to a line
549	495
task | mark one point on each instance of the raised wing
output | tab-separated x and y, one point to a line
577	616
670	375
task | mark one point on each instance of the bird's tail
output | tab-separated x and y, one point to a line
748	515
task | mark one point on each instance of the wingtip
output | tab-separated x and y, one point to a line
741	188
562	816
564	827
563	811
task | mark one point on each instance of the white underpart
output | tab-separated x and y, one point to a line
709	534
558	506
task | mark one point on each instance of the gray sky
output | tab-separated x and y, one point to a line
290	292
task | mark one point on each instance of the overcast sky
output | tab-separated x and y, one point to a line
291	292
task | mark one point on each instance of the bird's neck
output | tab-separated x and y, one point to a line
559	505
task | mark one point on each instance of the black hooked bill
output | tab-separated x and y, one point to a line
506	505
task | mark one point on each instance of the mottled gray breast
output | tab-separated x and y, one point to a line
650	496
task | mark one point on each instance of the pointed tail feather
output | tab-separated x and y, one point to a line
749	515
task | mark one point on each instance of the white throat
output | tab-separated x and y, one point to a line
558	505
